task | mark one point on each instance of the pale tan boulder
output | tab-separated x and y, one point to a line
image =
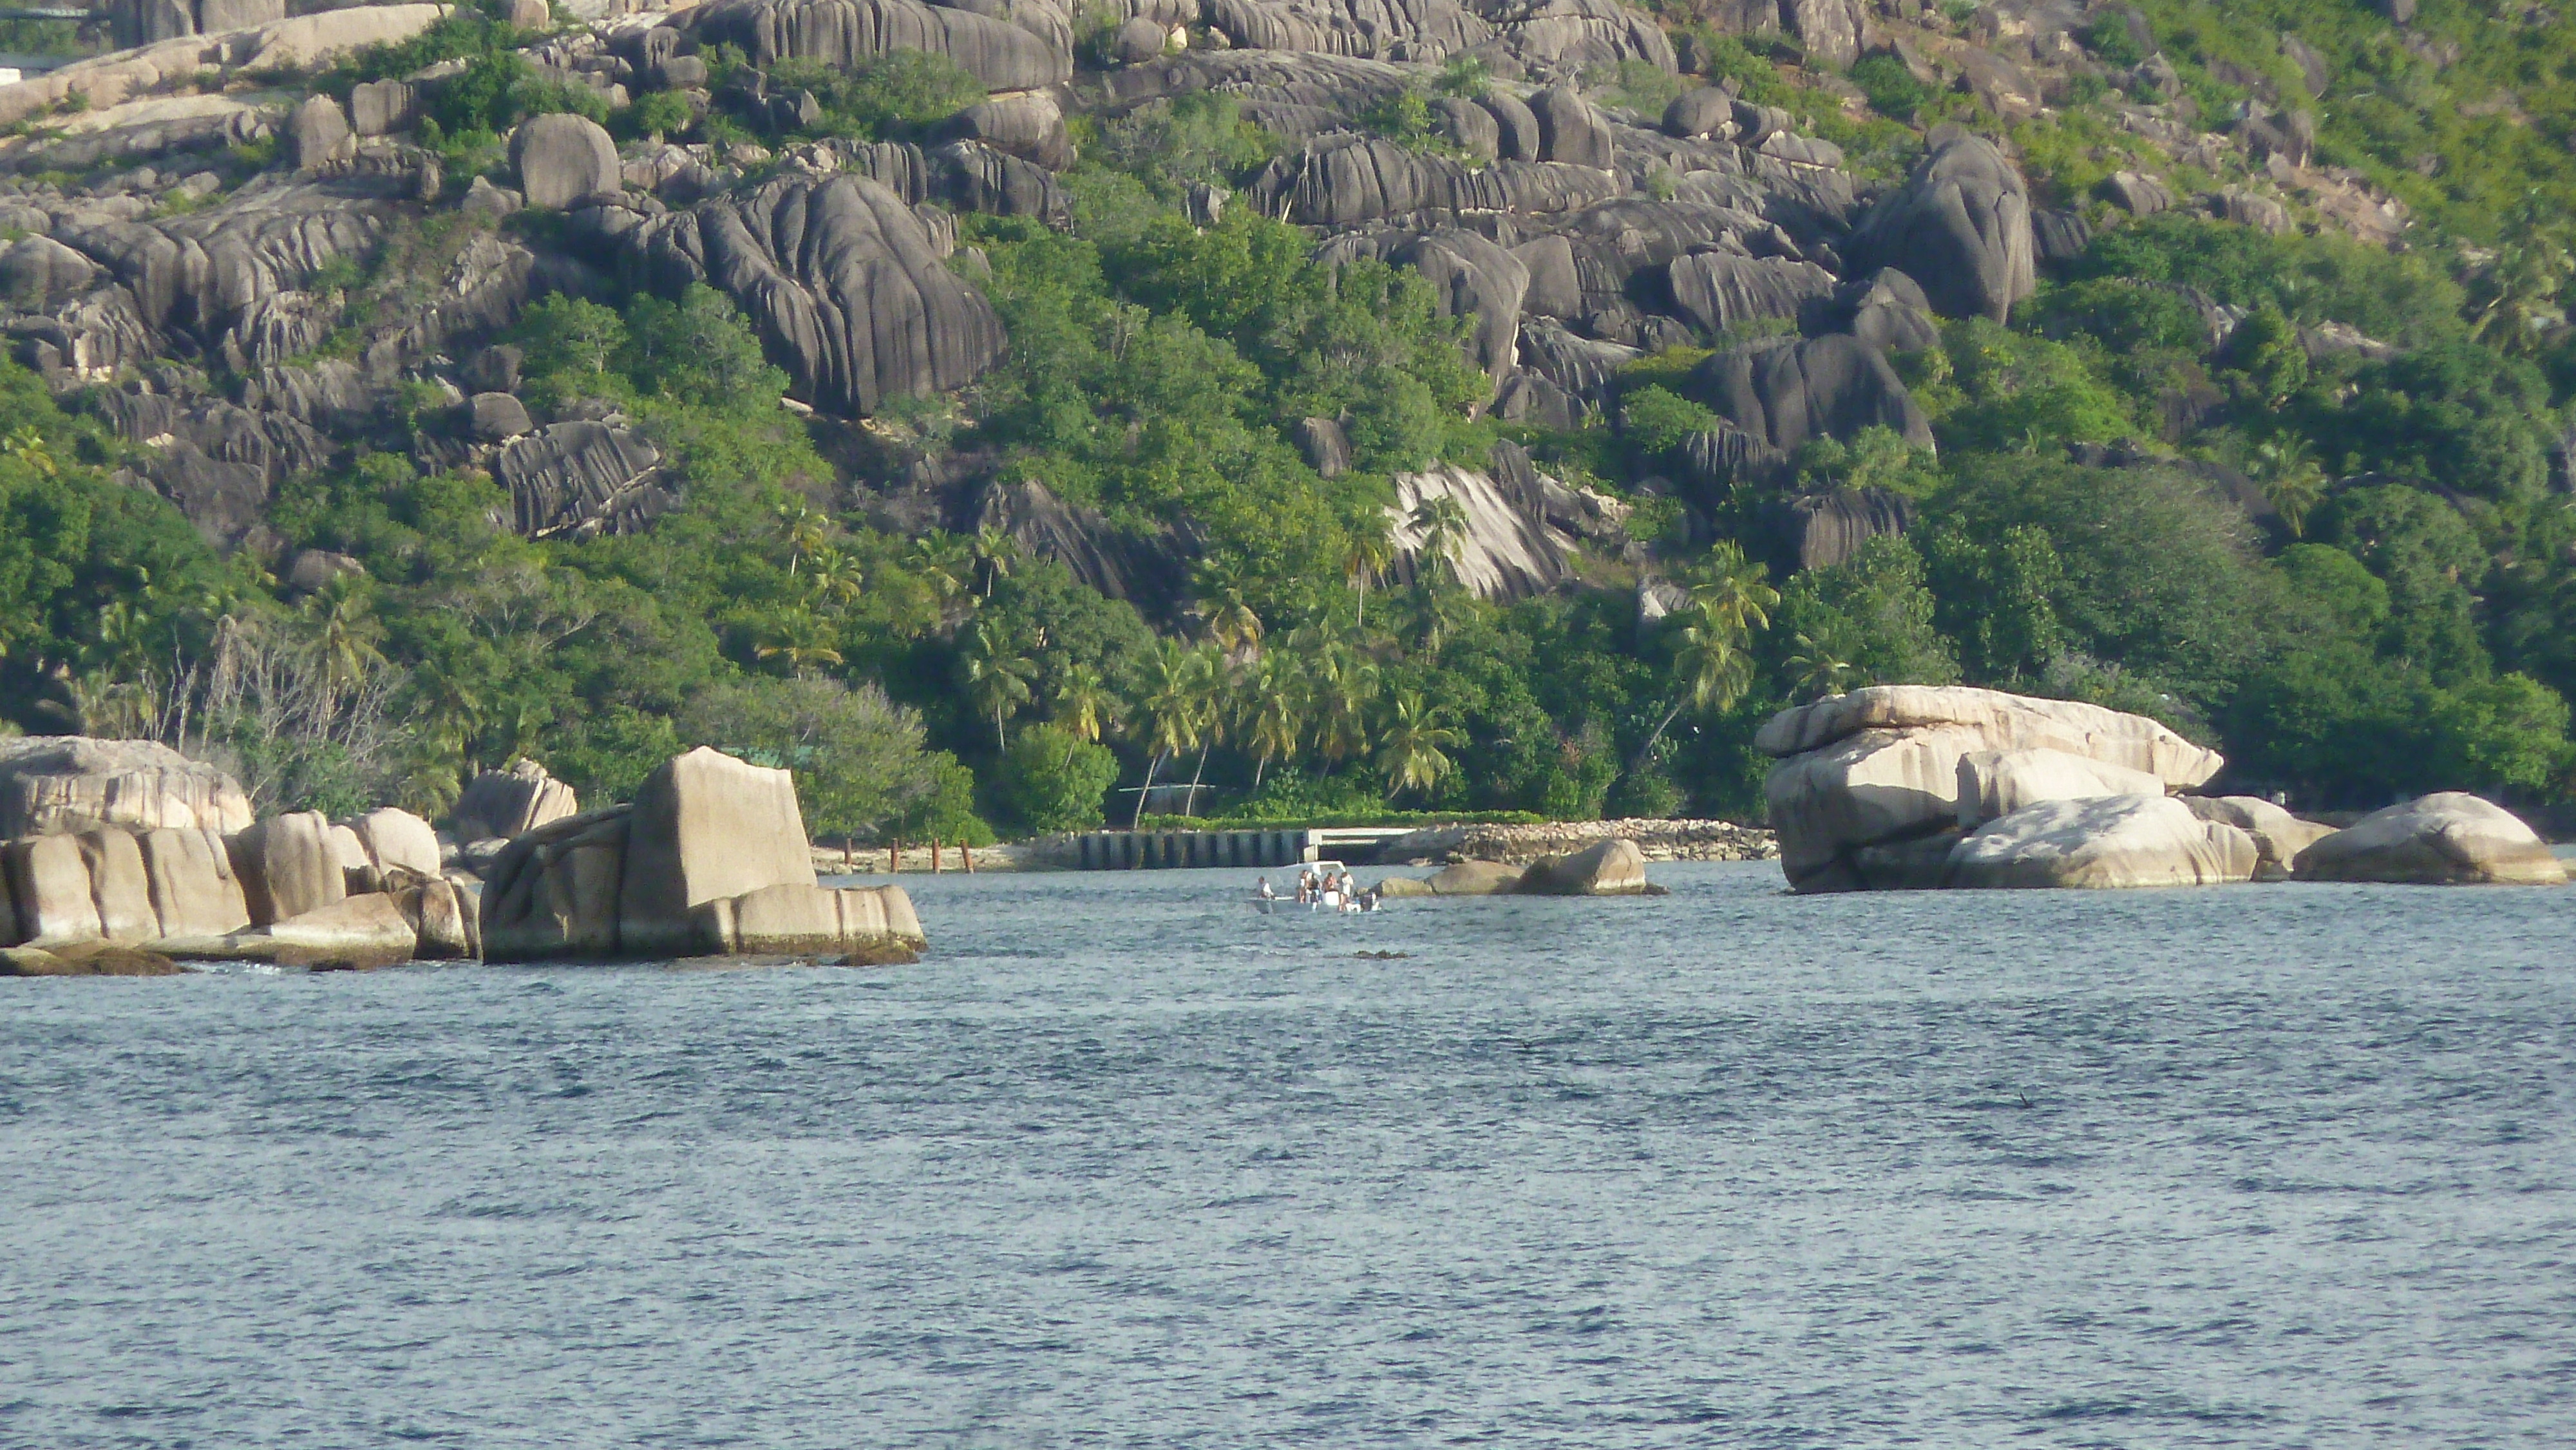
2102	842
53	784
1873	787
194	890
1996	783
436	912
366	930
1606	868
554	891
119	885
2451	838
2279	836
289	865
1475	878
2005	721
706	827
874	922
296	43
86	959
1404	886
510	803
395	839
49	883
355	862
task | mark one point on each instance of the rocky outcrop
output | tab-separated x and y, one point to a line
1473	277
1881	766
1783	393
843	33
1029	125
512	802
1350	180
1720	290
563	159
1608	868
1148	570
1504	553
2278	836
844	285
1820	530
578	479
710	859
59	783
2101	842
2446	839
1960	226
297	43
1998	783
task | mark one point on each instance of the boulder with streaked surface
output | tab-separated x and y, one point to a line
61	783
2102	842
1996	783
1606	868
2447	839
2279	836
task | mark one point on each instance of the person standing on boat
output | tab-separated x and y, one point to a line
1264	891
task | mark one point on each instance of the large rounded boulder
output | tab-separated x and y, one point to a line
1960	226
2449	839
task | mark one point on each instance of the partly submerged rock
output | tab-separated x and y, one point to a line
2451	838
94	959
1475	878
358	931
1608	868
2102	841
706	827
875	922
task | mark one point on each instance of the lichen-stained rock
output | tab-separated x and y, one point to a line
1566	37
318	134
841	280
1827	30
1785	392
63	783
1996	783
1705	111
1506	552
1354	180
1611	241
575	479
1960	226
194	890
962	175
2107	841
2451	838
842	33
1720	290
1515	126
562	158
706	826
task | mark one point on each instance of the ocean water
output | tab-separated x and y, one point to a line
1123	1163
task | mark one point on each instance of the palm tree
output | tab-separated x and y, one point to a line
1441	521
1412	749
993	550
1169	709
997	679
1735	590
944	562
28	447
341	630
808	533
1084	704
1368	551
1816	668
1230	621
1346	682
835	577
2290	478
800	639
1711	663
1210	682
1275	715
2518	295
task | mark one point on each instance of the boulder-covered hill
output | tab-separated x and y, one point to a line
1705	264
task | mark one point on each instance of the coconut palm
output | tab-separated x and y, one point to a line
807	532
341	631
1210	683
2517	296
997	679
1345	682
944	562
1230	621
1368	550
1441	524
1084	704
1734	590
2290	479
1167	711
1412	749
834	577
1274	710
1815	668
1712	664
993	551
798	639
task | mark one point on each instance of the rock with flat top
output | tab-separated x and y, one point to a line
48	882
63	783
706	827
357	931
2448	839
1608	868
2102	842
92	959
876	923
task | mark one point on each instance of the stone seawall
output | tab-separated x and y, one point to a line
1658	840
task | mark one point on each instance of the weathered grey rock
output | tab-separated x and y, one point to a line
2059	236
841	33
1029	125
1888	311
1326	446
119	885
562	159
1137	41
55	783
842	282
1353	181
39	274
2278	836
1608	868
706	827
1784	392
48	880
319	134
2136	194
1147	568
1569	130
1960	226
397	840
1506	550
1996	783
88	959
381	108
579	478
1515	127
2245	208
357	931
1469	127
1555	288
1706	111
436	913
497	417
1828	30
2103	841
531	15
555	891
194	890
2313	67
1720	290
1881	765
1820	530
1476	878
482	198
288	865
510	803
2451	838
1473	277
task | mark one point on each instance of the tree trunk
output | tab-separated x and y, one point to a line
1646	752
1192	808
1151	766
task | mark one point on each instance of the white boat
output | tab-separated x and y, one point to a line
1323	901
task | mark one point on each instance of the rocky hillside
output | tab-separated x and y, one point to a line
872	377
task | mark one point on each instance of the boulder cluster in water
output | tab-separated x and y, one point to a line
127	856
1904	787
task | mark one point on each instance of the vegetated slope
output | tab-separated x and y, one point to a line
1450	408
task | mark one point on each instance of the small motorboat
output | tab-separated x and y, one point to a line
1319	900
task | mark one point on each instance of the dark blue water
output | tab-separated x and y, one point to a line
1121	1163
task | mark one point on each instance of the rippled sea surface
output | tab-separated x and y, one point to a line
1123	1163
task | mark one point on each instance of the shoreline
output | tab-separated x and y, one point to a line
1658	839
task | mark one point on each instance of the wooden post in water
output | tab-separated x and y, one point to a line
967	850
934	855
894	857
